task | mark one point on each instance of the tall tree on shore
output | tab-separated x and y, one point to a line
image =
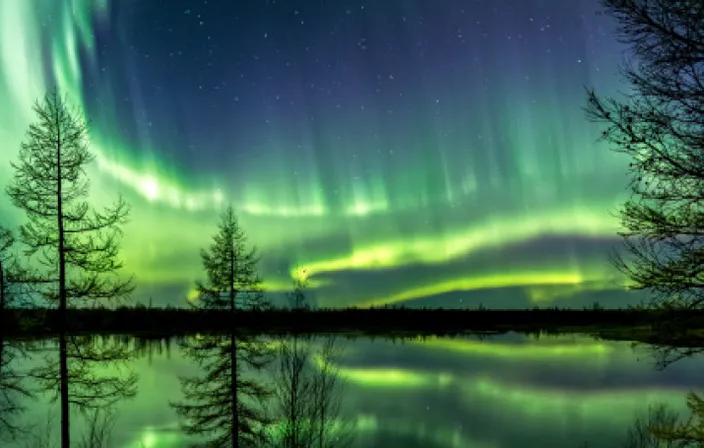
231	267
224	403
75	245
660	126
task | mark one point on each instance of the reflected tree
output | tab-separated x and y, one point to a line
331	427
292	391
12	388
306	404
43	434
148	346
666	353
225	403
682	433
648	429
644	432
6	241
99	426
91	390
663	427
76	248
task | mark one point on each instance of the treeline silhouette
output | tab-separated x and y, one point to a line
175	321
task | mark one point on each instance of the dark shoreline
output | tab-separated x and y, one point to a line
175	321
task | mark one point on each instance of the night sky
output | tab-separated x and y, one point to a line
401	151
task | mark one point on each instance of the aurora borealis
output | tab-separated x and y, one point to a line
414	152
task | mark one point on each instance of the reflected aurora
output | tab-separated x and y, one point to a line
511	392
541	351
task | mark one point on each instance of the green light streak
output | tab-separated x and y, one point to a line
381	215
539	350
494	233
475	283
21	68
620	404
158	189
392	378
531	401
154	438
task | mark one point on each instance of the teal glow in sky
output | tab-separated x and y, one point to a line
398	152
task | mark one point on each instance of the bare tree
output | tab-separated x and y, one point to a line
648	428
332	428
660	126
297	299
641	433
673	432
307	397
665	353
292	404
224	403
75	245
100	424
99	427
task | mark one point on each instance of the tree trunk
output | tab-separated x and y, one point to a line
63	362
233	354
233	386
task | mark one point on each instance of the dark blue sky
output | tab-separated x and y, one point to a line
398	150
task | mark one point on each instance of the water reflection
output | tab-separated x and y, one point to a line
13	388
308	395
98	371
665	428
504	391
225	401
98	375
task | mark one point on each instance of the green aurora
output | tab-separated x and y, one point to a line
480	178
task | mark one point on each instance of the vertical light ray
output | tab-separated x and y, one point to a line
412	157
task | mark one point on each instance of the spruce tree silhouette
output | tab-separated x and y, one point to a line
76	248
226	403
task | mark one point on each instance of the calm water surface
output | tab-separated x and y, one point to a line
504	392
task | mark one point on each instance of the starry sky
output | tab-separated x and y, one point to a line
400	152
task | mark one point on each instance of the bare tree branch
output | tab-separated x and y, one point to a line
660	126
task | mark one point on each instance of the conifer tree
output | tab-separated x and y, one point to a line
226	403
75	248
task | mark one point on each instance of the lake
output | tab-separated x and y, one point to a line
502	391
